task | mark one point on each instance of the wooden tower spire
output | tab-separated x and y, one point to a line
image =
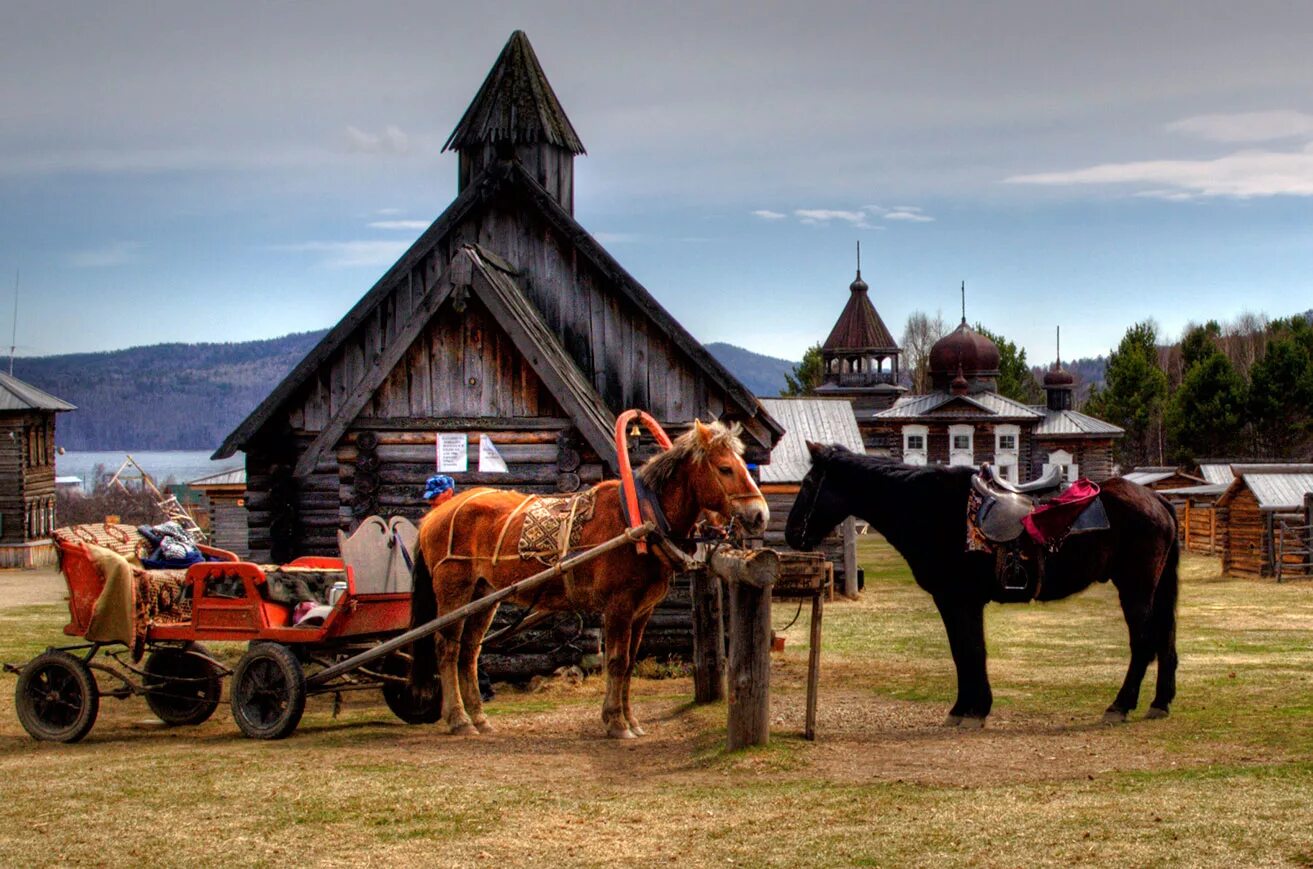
516	116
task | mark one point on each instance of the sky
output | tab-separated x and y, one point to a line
228	171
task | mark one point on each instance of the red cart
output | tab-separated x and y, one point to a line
58	696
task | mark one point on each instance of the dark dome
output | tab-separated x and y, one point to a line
964	349
859	285
1058	376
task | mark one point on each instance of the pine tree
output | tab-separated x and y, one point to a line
807	374
1135	389
1206	415
1015	379
1280	401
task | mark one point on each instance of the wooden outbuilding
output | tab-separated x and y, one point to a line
27	472
823	421
506	321
1265	518
1160	478
1197	525
225	504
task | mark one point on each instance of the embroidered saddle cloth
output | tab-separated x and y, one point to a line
553	525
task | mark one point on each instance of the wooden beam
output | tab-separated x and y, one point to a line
375	374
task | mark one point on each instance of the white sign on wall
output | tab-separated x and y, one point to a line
452	452
490	461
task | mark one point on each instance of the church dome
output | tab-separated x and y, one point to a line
965	349
1057	376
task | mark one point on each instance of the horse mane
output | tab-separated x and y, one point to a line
659	470
888	468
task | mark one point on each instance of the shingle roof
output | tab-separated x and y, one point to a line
17	395
1074	423
859	327
937	404
821	420
516	104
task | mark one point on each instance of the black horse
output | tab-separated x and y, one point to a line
922	512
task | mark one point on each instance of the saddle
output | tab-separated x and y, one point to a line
1004	505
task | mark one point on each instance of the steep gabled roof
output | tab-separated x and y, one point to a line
516	105
1073	423
17	395
859	327
939	405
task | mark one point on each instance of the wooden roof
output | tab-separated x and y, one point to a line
498	179
17	395
516	104
859	327
1275	487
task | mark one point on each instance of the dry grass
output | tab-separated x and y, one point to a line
1224	781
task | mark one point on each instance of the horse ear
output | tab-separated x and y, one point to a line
704	432
817	450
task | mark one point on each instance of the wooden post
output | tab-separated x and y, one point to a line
708	638
750	577
814	665
850	558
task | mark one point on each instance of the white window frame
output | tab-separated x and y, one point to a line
915	456
1008	460
957	456
1065	460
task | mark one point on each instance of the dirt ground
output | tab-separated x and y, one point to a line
20	588
1224	781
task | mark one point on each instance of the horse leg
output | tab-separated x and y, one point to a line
964	621
471	642
618	630
1164	631
453	710
635	640
1136	600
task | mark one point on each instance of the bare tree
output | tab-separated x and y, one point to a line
1245	340
919	335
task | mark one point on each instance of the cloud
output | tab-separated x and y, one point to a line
825	215
392	140
1247	126
767	214
117	254
909	216
1241	175
387	212
350	254
399	224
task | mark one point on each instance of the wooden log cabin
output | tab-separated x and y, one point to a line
823	421
27	472
505	320
1197	515
1264	518
225	506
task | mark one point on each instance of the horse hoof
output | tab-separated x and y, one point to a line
636	729
620	733
1156	712
953	721
483	726
1114	716
970	722
464	729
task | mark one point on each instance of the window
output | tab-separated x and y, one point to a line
916	442
961	439
1007	442
961	442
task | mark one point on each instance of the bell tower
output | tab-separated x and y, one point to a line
516	116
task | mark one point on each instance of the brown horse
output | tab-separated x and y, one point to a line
469	548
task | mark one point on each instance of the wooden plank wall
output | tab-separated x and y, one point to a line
1245	548
27	482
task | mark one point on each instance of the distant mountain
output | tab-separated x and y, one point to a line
165	396
762	374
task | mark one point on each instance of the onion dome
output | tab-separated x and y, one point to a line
964	350
960	384
1058	376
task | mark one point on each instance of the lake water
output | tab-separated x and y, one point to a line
181	465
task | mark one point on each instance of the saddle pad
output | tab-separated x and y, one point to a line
123	539
554	524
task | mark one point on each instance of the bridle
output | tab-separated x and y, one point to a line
811	508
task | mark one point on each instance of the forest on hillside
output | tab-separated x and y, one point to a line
164	396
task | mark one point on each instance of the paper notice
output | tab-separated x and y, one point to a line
452	455
490	461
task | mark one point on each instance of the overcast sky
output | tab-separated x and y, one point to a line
225	171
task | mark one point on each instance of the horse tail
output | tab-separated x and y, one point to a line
423	609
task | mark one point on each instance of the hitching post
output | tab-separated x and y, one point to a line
749	576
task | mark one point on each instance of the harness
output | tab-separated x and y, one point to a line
811	509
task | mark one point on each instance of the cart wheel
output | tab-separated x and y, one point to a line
268	692
181	687
400	701
57	697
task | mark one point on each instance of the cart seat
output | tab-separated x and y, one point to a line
379	554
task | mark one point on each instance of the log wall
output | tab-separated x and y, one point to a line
1246	543
27	476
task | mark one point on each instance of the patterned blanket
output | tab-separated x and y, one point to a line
554	525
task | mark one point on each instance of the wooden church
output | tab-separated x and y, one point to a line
505	320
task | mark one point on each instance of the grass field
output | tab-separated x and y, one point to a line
1226	780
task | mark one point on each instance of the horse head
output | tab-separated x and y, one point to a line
708	459
818	507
